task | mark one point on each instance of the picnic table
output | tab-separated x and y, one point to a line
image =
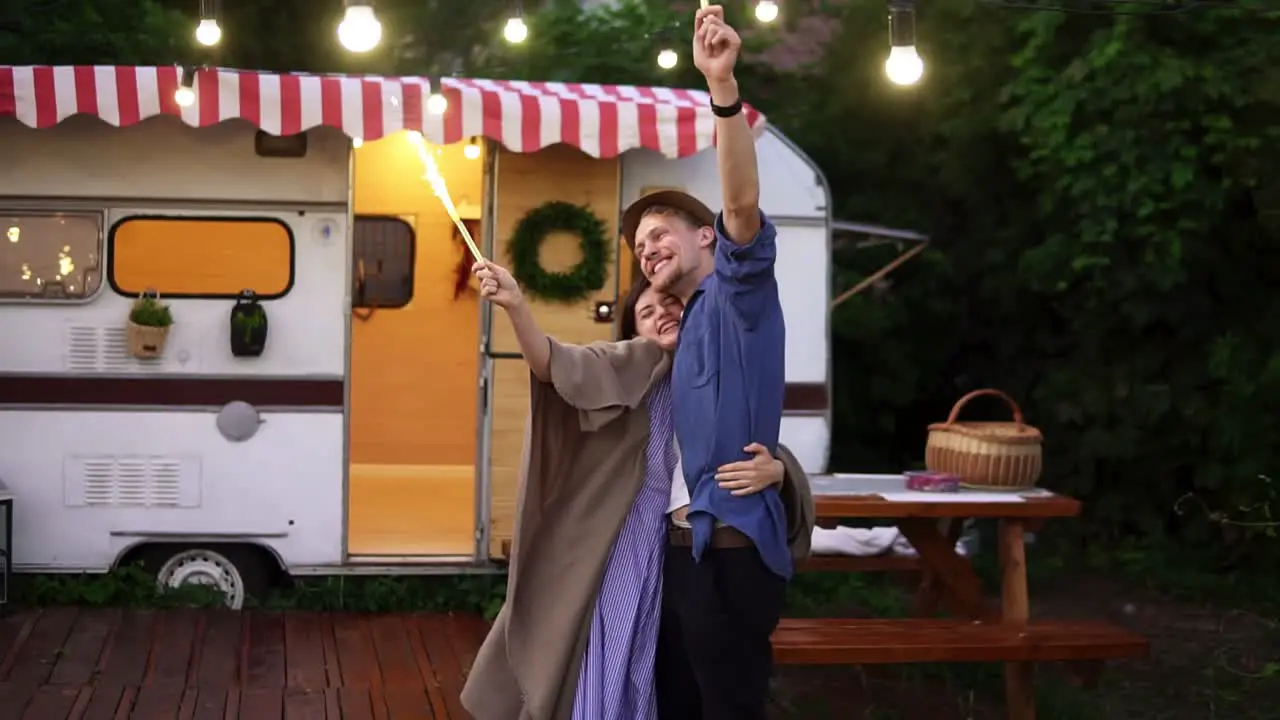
977	630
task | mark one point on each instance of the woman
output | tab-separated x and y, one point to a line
618	398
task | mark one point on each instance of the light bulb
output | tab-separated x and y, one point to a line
356	143
472	150
667	59
208	33
904	66
515	30
359	30
766	11
437	104
184	96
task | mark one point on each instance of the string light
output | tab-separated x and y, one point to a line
359	30
515	31
437	103
766	11
185	95
208	33
904	66
472	150
668	58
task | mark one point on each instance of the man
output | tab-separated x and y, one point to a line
727	560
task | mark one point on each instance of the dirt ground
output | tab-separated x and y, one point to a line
1205	664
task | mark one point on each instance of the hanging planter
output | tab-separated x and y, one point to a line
248	326
148	326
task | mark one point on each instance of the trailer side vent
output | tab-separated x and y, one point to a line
131	481
101	349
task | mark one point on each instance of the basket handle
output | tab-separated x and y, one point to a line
1017	411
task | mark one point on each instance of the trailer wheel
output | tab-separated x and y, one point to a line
238	572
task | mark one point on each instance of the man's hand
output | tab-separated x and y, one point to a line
497	285
715	46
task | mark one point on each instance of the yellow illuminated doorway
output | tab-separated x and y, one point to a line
414	365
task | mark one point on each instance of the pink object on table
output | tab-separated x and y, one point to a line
925	481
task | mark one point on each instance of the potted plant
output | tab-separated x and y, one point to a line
148	327
248	326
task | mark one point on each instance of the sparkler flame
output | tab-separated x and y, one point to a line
431	173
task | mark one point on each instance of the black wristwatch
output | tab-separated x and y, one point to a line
726	111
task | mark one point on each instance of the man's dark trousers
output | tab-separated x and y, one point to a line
714	655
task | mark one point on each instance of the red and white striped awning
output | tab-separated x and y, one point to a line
601	120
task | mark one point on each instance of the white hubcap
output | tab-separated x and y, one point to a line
204	568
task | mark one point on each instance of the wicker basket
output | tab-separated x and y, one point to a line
146	342
986	455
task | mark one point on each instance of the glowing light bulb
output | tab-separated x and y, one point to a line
904	66
359	30
515	31
208	33
766	11
184	96
667	59
437	104
14	233
356	142
472	150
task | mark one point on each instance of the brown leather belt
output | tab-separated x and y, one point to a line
721	537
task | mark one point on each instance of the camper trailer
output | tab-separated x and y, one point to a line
371	418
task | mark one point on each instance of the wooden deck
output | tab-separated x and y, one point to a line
96	664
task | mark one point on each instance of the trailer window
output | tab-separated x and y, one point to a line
382	267
201	257
50	256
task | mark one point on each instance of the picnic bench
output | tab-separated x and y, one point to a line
978	630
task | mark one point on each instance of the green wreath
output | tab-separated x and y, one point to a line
578	281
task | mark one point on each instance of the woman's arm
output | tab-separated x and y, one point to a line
499	287
748	477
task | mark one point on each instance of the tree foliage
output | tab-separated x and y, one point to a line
1100	189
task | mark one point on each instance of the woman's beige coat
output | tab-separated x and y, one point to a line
583	468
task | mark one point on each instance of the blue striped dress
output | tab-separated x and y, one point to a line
617	677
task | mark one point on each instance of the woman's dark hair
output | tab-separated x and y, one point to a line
627	321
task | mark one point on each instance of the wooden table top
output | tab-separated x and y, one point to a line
859	496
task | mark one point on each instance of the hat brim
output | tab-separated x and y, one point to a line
667	198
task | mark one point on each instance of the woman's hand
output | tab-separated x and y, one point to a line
748	477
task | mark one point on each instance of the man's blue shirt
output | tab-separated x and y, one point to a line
728	382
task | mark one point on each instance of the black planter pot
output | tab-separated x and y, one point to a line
248	326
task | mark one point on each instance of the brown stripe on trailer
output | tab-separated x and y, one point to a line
169	391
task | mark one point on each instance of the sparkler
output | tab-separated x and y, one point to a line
431	173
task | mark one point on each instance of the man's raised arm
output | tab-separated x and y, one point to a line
715	52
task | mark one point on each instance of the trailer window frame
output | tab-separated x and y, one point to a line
230	294
99	219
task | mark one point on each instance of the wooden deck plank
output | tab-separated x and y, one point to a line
172	647
354	703
82	653
103	702
434	632
34	661
218	663
355	651
15	628
262	703
408	703
211	703
391	646
435	693
264	662
465	633
157	702
16	696
302	703
304	651
125	659
50	702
